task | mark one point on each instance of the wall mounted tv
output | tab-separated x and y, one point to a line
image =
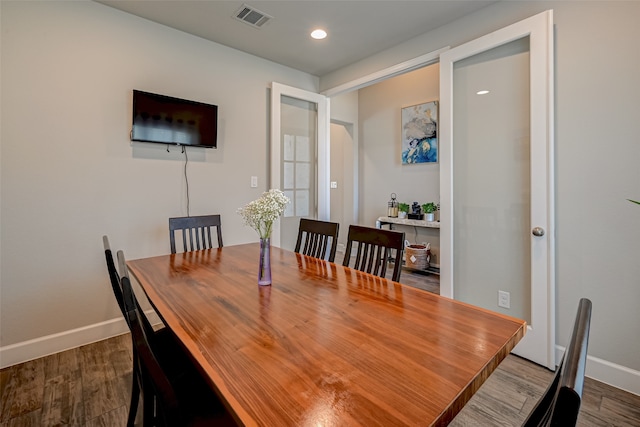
167	120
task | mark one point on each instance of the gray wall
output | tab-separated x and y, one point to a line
597	157
70	173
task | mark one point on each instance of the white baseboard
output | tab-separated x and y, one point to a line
44	346
609	373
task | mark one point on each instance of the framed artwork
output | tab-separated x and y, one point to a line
420	133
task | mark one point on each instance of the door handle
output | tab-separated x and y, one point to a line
538	231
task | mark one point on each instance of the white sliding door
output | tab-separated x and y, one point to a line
496	144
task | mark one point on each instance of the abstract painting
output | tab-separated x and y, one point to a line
420	133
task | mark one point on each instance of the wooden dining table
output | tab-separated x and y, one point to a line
324	345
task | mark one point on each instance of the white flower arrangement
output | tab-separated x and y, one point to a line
261	213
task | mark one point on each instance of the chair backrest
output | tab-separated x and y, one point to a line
375	248
560	404
152	377
113	274
198	230
125	275
319	237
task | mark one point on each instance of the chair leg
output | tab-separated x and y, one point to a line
148	410
135	398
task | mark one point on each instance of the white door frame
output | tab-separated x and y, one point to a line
540	30
395	70
277	91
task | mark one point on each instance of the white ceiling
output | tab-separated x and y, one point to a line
357	29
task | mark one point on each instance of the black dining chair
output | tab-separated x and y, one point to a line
196	232
114	278
375	248
162	337
560	404
169	400
318	239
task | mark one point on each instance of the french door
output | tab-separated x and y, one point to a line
299	158
496	145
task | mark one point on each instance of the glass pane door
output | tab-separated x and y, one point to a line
496	182
298	128
491	179
299	158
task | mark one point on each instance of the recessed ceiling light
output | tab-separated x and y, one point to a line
318	34
482	92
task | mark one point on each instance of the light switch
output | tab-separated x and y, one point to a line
334	184
254	181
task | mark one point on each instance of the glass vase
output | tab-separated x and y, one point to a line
264	267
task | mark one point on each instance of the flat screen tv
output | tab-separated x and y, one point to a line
168	120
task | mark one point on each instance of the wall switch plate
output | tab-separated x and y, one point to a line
254	181
504	299
334	184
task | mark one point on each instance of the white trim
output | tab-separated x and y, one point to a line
609	373
394	70
55	343
44	346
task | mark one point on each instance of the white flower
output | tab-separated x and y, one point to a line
261	213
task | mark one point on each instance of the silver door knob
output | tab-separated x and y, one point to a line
538	231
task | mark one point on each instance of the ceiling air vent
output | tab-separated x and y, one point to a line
252	16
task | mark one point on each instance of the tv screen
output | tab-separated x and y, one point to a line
168	120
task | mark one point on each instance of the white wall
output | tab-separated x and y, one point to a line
597	158
70	174
382	171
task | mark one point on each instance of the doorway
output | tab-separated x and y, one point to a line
343	178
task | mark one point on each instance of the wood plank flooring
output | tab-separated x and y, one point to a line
91	385
85	386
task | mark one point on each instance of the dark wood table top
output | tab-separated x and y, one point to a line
325	344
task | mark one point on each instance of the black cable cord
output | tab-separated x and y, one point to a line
186	178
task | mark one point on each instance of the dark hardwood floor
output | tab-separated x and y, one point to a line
90	386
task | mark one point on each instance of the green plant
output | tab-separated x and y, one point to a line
633	201
403	207
429	207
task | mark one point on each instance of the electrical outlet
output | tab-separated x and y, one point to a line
334	184
504	299
254	181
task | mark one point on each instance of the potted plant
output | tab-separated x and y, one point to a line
429	209
403	209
